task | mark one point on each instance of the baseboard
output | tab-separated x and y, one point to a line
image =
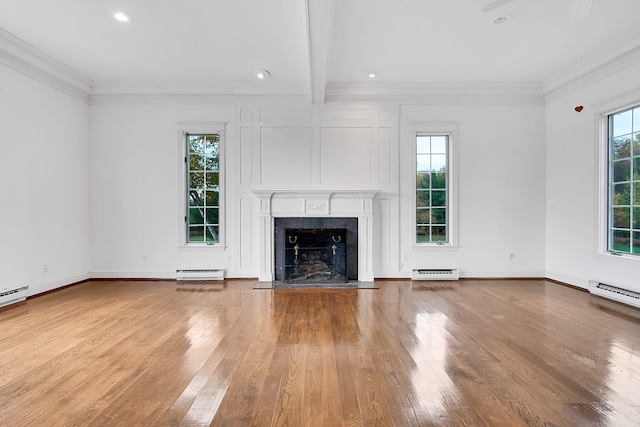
392	274
568	280
502	275
474	275
133	275
47	287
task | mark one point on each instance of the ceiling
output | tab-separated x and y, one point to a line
315	47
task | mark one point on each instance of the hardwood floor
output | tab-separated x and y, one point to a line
469	353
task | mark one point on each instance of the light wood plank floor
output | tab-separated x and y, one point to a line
471	353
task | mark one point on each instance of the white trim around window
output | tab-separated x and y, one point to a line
199	128
450	129
604	180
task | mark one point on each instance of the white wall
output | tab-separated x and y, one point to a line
135	174
135	183
501	190
572	190
44	190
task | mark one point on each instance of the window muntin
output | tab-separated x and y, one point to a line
432	188
203	188
624	182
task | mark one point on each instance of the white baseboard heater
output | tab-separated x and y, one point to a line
212	274
435	274
615	293
12	296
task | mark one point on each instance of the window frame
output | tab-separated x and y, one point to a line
449	129
200	128
604	206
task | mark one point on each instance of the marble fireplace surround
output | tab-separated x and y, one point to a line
338	203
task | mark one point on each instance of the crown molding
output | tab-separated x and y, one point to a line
444	93
185	93
26	59
616	56
198	99
229	88
438	93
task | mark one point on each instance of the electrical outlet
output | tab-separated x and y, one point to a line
45	268
144	258
511	257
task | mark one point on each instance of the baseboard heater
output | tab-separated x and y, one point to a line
615	293
12	296
435	274
213	274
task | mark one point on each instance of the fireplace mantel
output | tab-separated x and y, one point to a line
338	203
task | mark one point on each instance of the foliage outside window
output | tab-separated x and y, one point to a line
624	181
203	192
432	198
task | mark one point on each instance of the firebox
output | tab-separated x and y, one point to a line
315	238
315	255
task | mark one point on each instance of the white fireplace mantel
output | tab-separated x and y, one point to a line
338	203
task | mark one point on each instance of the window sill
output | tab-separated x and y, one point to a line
202	247
434	247
618	257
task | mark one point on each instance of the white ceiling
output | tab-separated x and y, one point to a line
215	45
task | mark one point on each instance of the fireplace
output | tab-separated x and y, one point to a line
297	207
315	255
315	249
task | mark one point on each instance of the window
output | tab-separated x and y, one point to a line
203	188
623	129
432	189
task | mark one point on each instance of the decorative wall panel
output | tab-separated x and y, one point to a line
385	237
246	114
246	143
246	232
346	115
285	155
385	155
384	117
345	156
285	114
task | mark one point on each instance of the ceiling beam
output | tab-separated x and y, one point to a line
319	25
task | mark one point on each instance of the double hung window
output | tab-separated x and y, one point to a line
623	229
432	207
203	188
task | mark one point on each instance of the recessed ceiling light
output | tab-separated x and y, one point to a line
500	20
261	74
120	16
371	74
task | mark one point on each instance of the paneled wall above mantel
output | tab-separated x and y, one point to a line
301	148
315	150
